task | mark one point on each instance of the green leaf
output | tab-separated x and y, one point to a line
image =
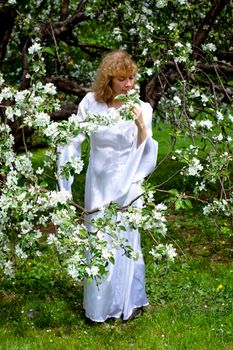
174	192
150	204
188	203
179	204
43	184
49	50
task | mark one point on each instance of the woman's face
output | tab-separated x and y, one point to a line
122	84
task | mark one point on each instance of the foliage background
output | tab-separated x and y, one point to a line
184	52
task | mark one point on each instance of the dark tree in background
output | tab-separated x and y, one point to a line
172	41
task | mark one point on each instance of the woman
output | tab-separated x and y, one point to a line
121	155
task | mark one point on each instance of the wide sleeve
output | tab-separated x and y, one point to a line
142	160
73	149
145	156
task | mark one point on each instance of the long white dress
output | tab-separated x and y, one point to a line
116	169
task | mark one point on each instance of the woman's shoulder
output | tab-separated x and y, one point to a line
90	105
89	98
146	107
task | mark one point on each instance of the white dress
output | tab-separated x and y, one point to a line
115	171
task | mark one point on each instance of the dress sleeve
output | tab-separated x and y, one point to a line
142	160
67	152
145	156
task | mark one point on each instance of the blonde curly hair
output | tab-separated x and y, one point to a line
115	63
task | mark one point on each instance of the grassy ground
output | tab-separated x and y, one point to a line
190	308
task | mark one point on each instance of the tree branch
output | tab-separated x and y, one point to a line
65	112
207	24
224	55
25	82
160	83
7	21
221	68
68	86
64	9
62	27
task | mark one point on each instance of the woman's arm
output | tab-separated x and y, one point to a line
142	132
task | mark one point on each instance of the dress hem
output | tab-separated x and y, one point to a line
116	317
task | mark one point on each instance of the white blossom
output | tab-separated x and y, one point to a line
41	119
73	271
6	93
219	116
204	98
178	44
177	100
20	253
36	47
145	51
52	130
92	271
10	113
52	239
230	117
20	96
136	254
149	71
195	167
106	253
1	79
219	137
157	63
150	27
50	89
132	31
161	3
117	34
161	206
61	197
195	92
8	269
172	25
209	47
182	2
163	251
208	124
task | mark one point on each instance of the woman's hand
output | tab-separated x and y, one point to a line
138	118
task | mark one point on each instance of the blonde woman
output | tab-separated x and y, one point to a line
121	156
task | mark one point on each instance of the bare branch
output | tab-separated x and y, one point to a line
220	68
62	27
81	5
25	81
64	9
65	112
224	55
68	86
7	21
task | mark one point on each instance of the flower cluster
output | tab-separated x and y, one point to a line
163	254
152	220
94	121
26	206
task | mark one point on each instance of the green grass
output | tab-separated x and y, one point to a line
190	313
191	303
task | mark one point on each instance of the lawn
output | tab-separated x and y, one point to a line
191	303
